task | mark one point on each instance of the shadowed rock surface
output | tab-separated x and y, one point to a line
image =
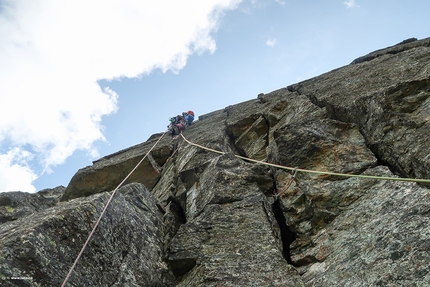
17	204
193	217
126	249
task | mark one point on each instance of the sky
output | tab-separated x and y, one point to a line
83	79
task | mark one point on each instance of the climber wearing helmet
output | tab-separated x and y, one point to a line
189	116
179	123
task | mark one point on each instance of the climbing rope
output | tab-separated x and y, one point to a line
104	211
238	156
312	171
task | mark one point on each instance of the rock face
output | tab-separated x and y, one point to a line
190	216
14	205
126	249
107	173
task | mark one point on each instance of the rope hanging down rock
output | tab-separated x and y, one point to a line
104	211
418	180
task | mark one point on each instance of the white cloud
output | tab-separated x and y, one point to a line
14	172
351	4
53	52
271	42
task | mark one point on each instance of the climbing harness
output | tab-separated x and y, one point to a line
179	123
418	180
104	211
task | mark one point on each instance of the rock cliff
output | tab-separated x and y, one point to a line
190	216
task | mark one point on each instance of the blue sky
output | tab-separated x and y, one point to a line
83	79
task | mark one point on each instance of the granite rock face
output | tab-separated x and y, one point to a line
191	216
14	205
382	239
107	173
126	249
388	99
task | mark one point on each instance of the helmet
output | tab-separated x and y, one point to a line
190	113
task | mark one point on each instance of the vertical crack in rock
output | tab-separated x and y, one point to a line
287	236
232	141
176	208
173	219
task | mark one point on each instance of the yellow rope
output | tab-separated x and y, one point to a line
312	171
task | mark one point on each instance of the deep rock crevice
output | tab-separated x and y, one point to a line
181	267
287	236
232	142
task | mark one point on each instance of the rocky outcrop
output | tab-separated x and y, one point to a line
194	216
126	249
14	205
381	239
108	172
388	99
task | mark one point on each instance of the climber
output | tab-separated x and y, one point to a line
179	123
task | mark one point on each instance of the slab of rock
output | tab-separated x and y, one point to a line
126	249
382	239
108	172
17	204
388	99
231	244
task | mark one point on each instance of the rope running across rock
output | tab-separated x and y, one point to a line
238	156
418	180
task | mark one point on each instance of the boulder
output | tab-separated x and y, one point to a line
126	248
17	204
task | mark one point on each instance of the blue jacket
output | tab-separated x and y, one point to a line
189	118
